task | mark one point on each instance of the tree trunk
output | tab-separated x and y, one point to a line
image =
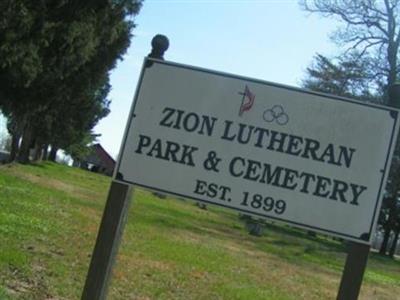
27	138
14	147
53	153
392	49
45	152
38	153
392	250
385	241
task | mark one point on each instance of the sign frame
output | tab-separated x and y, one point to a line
394	113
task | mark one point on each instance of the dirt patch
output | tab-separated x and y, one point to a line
57	185
142	263
20	285
374	292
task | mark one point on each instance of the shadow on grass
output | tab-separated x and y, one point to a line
291	244
40	165
328	243
384	259
186	223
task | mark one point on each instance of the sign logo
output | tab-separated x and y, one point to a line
277	114
247	100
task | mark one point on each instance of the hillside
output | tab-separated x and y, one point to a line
171	249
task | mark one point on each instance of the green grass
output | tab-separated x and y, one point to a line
49	217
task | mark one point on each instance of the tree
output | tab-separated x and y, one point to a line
370	34
80	150
70	118
54	61
349	78
389	217
344	76
371	28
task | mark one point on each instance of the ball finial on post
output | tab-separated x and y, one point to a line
159	44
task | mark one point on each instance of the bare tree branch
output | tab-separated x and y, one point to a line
370	28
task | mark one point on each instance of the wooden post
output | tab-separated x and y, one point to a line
108	240
357	256
113	220
394	95
353	272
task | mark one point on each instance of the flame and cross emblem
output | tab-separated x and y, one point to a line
275	114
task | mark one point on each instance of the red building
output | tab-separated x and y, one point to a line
98	161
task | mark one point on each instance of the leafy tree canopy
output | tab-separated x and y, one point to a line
55	58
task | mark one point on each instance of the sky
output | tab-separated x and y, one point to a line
269	40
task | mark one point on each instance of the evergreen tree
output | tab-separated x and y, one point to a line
346	76
57	91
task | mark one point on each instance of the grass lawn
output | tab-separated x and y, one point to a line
171	249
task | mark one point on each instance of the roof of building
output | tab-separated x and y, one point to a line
102	155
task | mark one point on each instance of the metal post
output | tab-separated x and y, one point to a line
357	256
113	220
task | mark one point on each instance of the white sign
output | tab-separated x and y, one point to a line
312	160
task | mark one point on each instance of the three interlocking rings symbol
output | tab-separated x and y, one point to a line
276	113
